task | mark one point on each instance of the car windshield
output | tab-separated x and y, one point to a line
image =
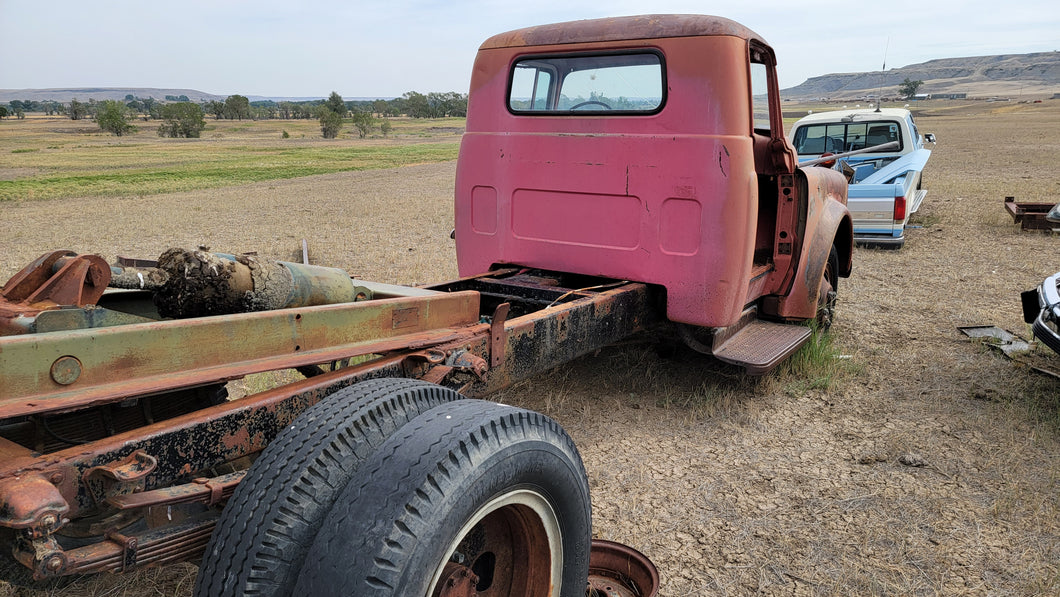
837	137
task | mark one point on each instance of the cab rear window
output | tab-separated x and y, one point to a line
622	83
839	137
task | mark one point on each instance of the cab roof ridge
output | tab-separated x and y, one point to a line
654	26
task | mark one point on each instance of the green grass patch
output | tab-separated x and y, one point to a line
234	153
818	365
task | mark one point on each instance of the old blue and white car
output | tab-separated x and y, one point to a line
884	172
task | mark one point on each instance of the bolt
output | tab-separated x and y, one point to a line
54	564
56	478
48	520
66	370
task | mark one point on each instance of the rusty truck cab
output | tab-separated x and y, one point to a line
633	148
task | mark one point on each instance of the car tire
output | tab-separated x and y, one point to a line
828	292
471	492
260	542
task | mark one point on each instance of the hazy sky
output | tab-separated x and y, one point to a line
385	48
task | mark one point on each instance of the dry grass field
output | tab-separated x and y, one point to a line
901	459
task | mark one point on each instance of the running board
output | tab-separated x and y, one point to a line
759	346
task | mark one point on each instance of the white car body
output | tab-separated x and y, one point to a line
884	184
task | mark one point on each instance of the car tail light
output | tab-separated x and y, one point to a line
899	209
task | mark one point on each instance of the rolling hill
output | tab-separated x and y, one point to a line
1030	76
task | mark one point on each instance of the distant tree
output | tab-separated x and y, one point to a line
237	107
3	112
110	116
363	121
216	108
181	119
386	127
77	110
416	105
909	88
336	105
330	123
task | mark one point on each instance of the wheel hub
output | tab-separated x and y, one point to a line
456	581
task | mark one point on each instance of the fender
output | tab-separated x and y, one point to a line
828	223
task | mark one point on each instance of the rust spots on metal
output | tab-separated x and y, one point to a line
133	360
208	491
616	570
236	440
54	279
498	337
456	581
620	29
406	317
33	503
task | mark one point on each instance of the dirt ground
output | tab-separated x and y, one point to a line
922	464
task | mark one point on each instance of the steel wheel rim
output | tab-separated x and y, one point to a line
522	533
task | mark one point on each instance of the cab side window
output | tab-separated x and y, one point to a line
760	98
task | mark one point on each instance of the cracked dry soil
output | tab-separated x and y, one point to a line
927	465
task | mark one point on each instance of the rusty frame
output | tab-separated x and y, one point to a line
154	466
58	372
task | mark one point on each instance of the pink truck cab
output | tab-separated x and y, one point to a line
651	149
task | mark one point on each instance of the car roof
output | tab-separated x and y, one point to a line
620	28
855	115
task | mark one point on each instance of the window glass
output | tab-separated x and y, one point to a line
840	137
760	96
588	83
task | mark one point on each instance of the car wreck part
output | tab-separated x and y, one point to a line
475	352
1033	216
997	338
1012	346
755	344
616	570
1041	309
200	283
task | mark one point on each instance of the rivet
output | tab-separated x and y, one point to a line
66	370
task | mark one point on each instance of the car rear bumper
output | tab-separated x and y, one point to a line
885	241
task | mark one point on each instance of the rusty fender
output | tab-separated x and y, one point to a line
828	223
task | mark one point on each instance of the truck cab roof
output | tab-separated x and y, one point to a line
620	28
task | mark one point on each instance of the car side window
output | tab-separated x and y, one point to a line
760	97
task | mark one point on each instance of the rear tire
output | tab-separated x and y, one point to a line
826	297
472	494
261	539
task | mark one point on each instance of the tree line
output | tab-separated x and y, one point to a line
238	107
183	118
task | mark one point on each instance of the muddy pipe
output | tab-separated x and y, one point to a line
200	283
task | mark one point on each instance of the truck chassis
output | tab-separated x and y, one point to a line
475	335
